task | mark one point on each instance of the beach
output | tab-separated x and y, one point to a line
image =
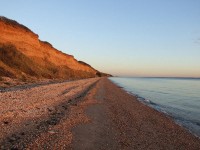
85	114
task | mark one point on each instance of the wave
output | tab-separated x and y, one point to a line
191	125
162	96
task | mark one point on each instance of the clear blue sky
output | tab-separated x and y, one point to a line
121	37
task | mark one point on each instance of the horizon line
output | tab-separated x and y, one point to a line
157	77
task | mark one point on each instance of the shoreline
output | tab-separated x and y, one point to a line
190	126
176	121
86	114
159	110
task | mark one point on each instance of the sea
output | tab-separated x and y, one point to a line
178	98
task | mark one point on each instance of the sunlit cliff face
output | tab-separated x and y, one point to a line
40	57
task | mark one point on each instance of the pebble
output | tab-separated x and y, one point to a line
52	132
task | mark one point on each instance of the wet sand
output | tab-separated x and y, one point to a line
85	114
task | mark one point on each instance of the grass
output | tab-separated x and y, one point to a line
10	56
14	23
25	67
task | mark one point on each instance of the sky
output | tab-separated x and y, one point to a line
120	37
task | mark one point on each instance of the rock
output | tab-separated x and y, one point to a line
52	132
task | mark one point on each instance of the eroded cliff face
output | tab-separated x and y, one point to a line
23	55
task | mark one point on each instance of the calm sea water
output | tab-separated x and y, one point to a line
177	97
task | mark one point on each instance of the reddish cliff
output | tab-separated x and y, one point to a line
23	55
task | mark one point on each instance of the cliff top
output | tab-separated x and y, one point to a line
14	23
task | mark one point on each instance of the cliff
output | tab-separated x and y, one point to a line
23	56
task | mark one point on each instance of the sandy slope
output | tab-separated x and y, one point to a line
85	114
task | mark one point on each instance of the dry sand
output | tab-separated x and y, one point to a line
85	114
